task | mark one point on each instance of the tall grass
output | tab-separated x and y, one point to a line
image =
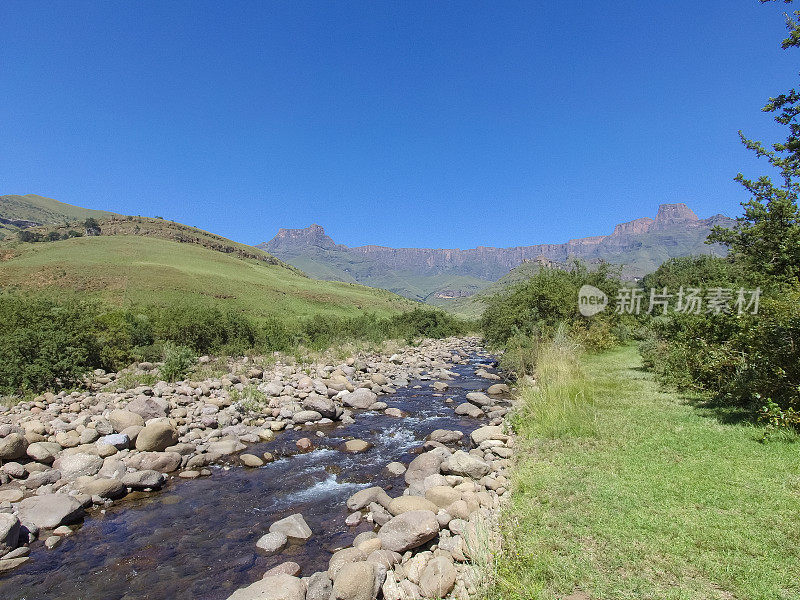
561	402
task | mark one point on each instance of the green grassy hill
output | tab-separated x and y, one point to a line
144	269
41	210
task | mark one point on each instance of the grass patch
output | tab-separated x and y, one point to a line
624	491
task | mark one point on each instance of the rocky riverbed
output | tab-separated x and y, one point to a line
380	475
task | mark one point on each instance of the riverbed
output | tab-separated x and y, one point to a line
195	539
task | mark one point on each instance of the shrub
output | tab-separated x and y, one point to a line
44	344
177	361
537	306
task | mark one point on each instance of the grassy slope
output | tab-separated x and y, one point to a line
135	269
634	493
31	207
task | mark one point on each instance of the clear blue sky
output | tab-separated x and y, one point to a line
443	124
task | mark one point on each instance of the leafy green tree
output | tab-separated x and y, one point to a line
767	237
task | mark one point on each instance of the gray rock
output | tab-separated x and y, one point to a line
319	586
140	480
156	437
479	399
277	587
461	463
293	527
425	464
409	530
148	408
13	563
43	452
104	488
343	557
469	409
490	432
361	398
324	406
37	480
358	581
79	464
9	533
123	419
446	436
50	510
438	578
498	388
306	416
120	441
404	504
13	446
272	543
165	462
224	447
362	498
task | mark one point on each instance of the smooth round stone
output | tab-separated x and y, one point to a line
251	460
189	474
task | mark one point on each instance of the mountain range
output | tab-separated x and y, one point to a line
437	275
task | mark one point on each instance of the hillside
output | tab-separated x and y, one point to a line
22	212
129	269
438	275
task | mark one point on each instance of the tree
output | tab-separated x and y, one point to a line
767	237
92	226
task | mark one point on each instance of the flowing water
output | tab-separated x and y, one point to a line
195	539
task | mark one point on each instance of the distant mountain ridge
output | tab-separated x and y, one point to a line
640	245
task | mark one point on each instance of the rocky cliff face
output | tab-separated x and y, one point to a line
676	231
311	236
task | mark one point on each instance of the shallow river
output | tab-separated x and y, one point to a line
195	539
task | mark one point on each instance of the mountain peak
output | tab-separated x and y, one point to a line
313	235
674	214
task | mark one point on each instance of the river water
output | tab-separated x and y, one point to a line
195	539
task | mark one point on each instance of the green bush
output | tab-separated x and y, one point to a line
536	307
177	361
44	344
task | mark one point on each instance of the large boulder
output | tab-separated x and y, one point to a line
425	464
358	581
469	409
404	504
122	419
363	498
276	587
461	463
438	578
445	436
409	530
490	432
342	558
13	446
498	388
293	527
43	452
103	487
479	399
79	464
9	533
272	543
50	510
165	462
442	496
324	406
148	407
306	416
318	586
143	480
360	398
157	436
